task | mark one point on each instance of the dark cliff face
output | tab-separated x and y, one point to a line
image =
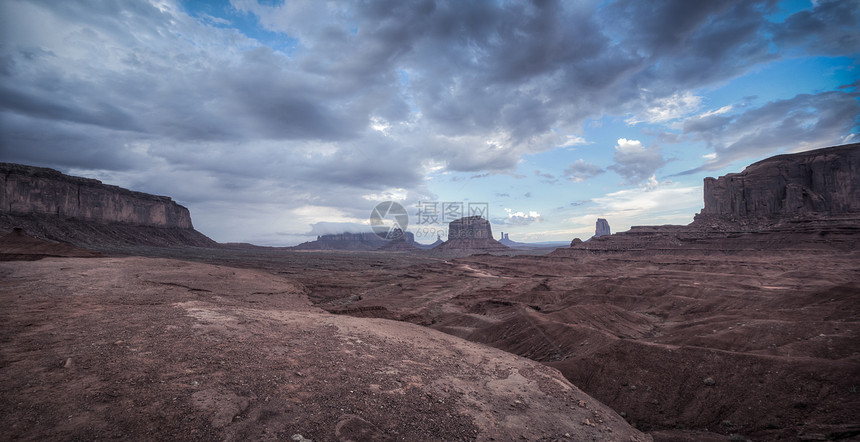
352	241
472	227
814	183
35	190
601	228
471	233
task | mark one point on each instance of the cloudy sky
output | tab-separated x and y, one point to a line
274	121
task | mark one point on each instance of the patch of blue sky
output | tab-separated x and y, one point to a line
222	14
784	79
786	8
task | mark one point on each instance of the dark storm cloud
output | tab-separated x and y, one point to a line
831	27
372	92
689	44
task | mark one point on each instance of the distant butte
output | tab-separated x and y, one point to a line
472	233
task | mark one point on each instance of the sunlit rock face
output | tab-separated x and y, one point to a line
820	182
35	190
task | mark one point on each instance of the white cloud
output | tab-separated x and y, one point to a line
635	162
658	203
669	108
805	121
519	218
388	195
719	111
573	140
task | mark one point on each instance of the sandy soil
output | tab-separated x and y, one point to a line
158	349
686	347
765	347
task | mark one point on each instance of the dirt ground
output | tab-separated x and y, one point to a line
267	343
156	349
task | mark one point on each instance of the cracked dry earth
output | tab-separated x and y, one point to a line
158	349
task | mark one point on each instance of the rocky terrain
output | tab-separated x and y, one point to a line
158	349
822	182
357	241
85	212
36	190
806	201
473	234
602	228
741	325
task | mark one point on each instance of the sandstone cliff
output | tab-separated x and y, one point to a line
472	233
36	190
601	228
803	201
822	182
85	212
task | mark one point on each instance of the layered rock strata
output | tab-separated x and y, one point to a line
804	201
85	212
821	182
37	190
471	233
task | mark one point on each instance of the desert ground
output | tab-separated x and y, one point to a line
236	344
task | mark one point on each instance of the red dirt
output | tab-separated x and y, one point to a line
686	346
158	349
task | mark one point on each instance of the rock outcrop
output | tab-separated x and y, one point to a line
37	190
822	182
351	241
402	242
470	227
344	241
602	228
471	233
85	212
804	201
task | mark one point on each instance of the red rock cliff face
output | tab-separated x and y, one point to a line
814	183
27	190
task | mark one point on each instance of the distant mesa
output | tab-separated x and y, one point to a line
506	241
471	233
402	242
602	228
823	182
353	241
804	201
51	205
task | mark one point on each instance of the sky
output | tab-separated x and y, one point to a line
276	121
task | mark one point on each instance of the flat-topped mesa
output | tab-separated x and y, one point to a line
30	190
818	183
470	227
401	242
352	241
471	233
